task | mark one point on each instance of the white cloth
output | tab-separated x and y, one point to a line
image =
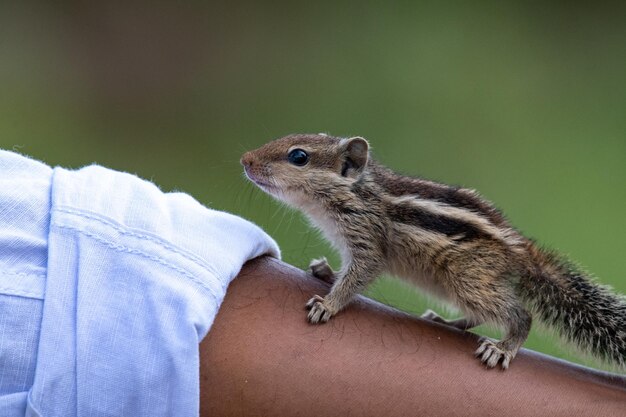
107	285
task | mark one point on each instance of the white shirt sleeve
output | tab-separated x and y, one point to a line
134	278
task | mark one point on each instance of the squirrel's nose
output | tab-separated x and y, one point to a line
246	159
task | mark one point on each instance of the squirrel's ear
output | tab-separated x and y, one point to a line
356	152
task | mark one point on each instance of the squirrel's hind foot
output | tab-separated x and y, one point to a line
461	324
491	353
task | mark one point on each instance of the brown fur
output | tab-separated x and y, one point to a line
446	240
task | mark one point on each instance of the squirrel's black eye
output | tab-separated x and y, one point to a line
298	157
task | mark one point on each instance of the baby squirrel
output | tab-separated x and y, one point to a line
447	240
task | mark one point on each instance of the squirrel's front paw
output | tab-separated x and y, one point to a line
319	311
490	354
320	269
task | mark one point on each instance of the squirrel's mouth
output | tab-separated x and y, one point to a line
264	185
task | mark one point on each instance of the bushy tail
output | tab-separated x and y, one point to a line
584	312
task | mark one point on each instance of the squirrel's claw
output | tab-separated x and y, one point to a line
490	354
319	312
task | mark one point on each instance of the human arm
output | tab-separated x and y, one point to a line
261	357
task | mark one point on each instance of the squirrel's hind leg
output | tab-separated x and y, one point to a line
491	353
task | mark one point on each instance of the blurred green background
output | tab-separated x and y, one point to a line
526	103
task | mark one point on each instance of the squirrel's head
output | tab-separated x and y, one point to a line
297	167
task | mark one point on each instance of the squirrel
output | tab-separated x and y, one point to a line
446	240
